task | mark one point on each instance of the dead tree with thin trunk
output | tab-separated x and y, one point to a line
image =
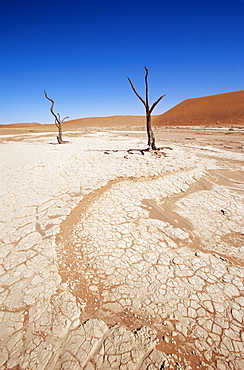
151	138
58	122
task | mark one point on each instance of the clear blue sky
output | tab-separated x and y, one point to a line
81	52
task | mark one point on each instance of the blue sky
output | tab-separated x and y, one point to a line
81	53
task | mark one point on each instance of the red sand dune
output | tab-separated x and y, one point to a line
116	121
19	125
221	109
76	124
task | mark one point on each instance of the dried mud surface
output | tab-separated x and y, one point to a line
111	260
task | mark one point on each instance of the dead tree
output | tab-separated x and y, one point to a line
151	139
58	122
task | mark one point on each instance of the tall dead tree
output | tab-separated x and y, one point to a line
150	134
58	122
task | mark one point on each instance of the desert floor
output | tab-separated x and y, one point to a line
112	260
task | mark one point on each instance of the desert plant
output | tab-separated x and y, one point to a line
58	122
151	138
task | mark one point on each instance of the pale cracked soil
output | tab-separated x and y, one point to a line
112	260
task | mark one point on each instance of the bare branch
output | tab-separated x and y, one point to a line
146	82
56	123
57	120
156	102
64	118
139	97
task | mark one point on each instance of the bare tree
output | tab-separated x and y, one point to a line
150	134
58	122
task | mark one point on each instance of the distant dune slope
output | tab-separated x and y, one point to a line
116	121
19	125
222	109
76	124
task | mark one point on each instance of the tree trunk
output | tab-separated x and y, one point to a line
150	134
60	134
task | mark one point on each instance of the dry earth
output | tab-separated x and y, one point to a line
112	260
